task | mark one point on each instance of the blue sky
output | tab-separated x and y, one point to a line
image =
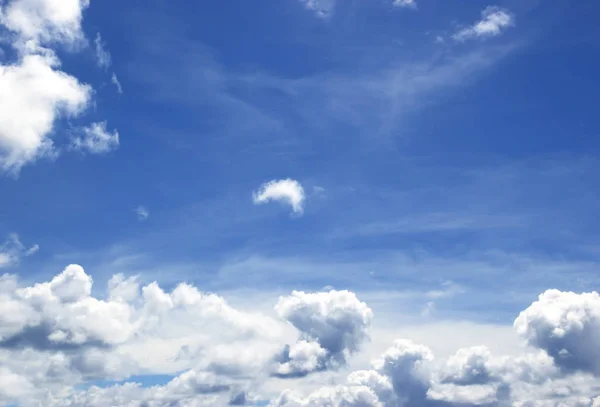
447	151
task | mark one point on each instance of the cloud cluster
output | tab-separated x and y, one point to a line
56	337
34	92
560	369
287	191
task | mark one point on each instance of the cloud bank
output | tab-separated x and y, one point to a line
56	337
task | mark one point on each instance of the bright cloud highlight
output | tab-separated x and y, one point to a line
287	191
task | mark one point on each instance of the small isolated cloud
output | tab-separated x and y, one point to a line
12	250
405	3
102	55
142	213
287	191
115	81
96	139
322	8
494	21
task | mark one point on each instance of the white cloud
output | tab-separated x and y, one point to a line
142	213
115	81
405	3
288	191
493	22
321	8
56	337
33	94
332	326
567	326
12	250
45	21
102	55
96	139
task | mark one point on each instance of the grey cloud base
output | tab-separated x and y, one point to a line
56	337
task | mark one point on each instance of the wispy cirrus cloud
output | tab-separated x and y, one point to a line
321	8
115	81
494	21
142	213
12	250
103	57
412	4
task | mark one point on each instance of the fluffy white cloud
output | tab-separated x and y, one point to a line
339	396
56	336
12	250
567	326
405	374
494	21
332	326
33	94
45	21
287	191
96	139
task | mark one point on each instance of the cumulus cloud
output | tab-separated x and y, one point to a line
287	191
12	250
102	55
29	110
57	338
405	3
34	92
332	326
406	375
56	334
188	389
567	326
45	21
96	139
494	21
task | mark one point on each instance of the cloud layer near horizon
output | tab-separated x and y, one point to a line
56	336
